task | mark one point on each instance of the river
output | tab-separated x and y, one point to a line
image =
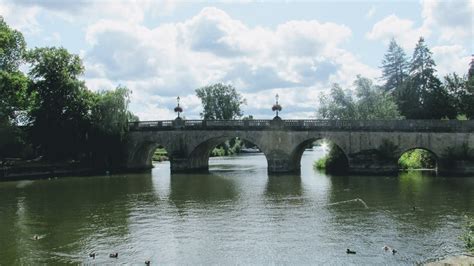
236	214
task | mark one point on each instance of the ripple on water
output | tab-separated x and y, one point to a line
235	214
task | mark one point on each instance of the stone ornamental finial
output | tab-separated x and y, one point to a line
178	108
276	107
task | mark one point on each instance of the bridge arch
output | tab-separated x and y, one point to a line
432	158
298	151
141	156
200	154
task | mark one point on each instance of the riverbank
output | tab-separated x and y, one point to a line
30	170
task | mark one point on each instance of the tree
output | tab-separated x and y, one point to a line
457	88
13	83
61	116
469	100
12	47
394	67
110	114
339	104
220	102
371	103
422	96
110	117
14	96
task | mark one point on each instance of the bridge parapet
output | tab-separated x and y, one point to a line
311	125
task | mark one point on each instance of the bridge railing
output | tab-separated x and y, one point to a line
316	124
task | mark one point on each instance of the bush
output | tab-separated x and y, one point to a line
160	155
417	159
320	164
468	237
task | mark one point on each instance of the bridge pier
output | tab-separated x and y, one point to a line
455	167
189	165
281	165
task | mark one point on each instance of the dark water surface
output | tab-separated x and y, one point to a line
235	214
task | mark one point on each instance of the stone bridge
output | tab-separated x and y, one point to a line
371	147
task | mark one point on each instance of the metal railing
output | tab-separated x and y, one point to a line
317	125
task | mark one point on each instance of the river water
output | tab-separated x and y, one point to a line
236	214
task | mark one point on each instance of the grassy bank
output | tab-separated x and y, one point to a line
160	155
468	237
335	160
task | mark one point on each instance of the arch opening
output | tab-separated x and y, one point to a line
149	153
322	154
160	154
227	148
418	159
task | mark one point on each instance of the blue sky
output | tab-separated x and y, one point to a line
161	49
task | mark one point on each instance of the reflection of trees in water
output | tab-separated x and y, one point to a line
201	189
283	187
72	214
394	198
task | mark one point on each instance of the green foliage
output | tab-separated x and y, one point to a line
320	164
110	114
160	155
230	147
61	115
12	142
109	117
457	88
14	96
339	104
417	159
371	103
422	95
468	102
12	47
394	67
468	237
220	101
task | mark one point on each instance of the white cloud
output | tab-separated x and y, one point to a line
451	58
453	18
81	12
176	58
26	22
403	30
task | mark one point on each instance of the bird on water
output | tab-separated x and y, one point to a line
348	251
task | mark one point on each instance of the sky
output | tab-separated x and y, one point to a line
161	49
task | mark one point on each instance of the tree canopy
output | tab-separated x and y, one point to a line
371	102
12	47
220	101
13	83
394	67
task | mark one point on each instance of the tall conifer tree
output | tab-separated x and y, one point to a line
394	67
